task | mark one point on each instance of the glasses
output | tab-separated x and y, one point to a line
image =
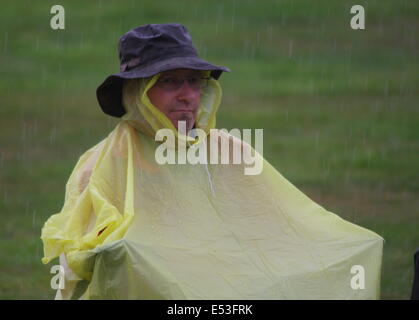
175	83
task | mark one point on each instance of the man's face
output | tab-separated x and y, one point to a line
177	104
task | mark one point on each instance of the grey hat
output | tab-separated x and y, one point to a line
145	51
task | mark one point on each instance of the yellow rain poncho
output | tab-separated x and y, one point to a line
131	228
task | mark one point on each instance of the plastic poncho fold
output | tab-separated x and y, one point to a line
134	229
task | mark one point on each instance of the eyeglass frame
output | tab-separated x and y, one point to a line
179	84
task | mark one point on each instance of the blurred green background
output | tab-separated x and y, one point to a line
339	109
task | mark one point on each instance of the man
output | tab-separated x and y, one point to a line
131	228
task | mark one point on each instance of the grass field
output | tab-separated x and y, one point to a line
339	109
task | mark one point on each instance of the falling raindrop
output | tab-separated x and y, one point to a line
317	139
348	175
283	20
8	91
290	48
21	286
53	134
380	27
354	153
23	132
366	81
311	86
386	88
26	207
332	86
57	41
38	253
328	169
233	16
43	76
33	219
62	109
82	40
6	37
269	30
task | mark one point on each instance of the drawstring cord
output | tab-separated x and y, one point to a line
193	134
210	180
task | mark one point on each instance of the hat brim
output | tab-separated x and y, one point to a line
109	93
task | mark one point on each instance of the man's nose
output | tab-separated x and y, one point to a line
186	91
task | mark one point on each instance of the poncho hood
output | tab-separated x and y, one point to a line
142	115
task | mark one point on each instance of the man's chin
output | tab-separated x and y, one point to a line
189	123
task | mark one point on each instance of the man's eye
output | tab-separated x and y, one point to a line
168	80
194	80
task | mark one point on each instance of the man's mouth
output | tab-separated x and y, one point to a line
183	110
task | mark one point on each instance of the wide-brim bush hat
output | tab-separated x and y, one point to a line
145	51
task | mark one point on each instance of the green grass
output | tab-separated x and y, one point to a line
338	107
